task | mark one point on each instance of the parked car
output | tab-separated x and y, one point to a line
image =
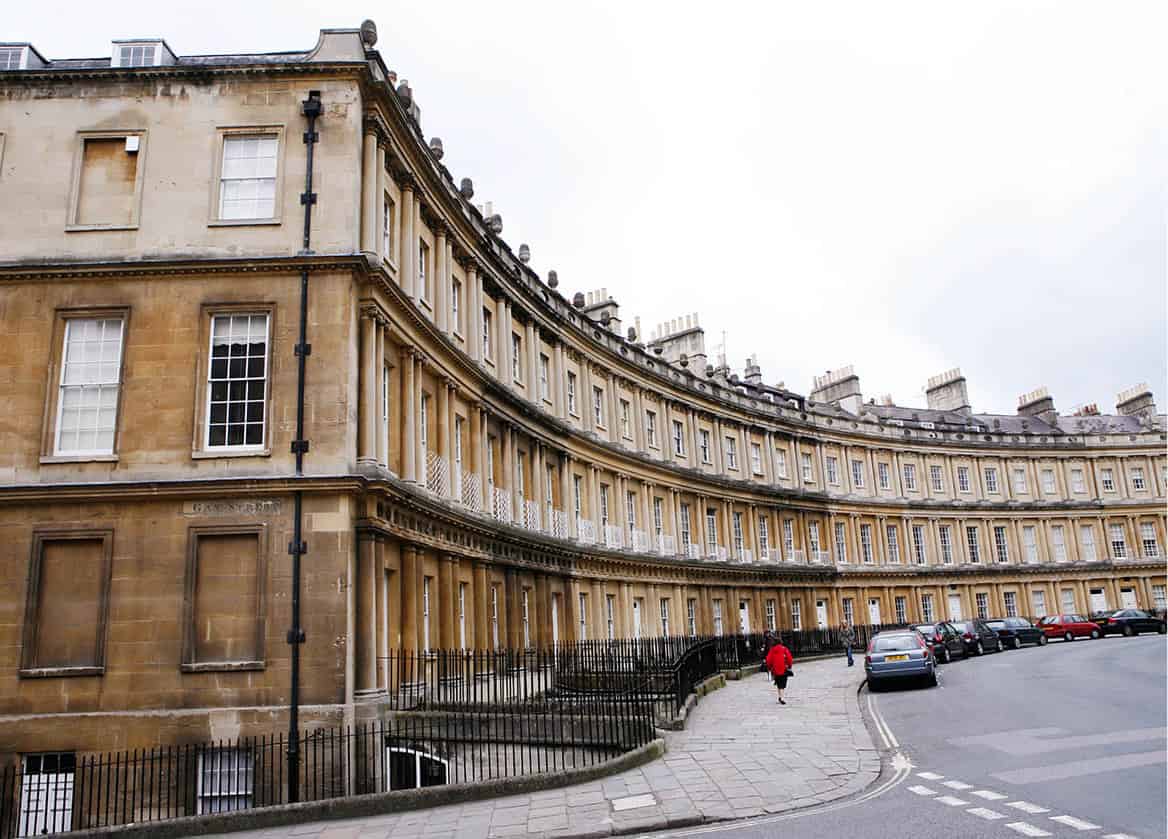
978	637
1014	632
943	640
1129	622
1069	627
899	654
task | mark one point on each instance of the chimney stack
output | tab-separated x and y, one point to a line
1039	404
1136	401
946	392
838	387
752	375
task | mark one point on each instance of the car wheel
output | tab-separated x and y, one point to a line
1042	640
1128	631
873	687
979	649
1094	633
944	655
1017	643
1162	628
1067	636
931	679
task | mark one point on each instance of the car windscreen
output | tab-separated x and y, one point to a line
894	643
997	624
1018	623
926	629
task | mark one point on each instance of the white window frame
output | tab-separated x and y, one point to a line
927	608
1078	481
963	479
678	438
209	384
583	600
945	538
651	429
808	468
572	407
1148	541
1087	543
545	391
910	477
1117	541
1001	544
1107	480
796	614
598	406
866	544
771	614
981	604
756	458
1049	485
625	423
832	470
229	140
1030	543
102	383
918	540
841	543
973	544
1020	481
991	479
1010	599
731	453
937	476
691	616
486	326
858	474
764	536
893	538
883	475
240	761
1137	479
704	444
781	457
1058	542
517	358
736	525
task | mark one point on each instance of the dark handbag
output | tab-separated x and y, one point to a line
790	672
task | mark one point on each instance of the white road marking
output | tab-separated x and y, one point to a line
1077	824
985	813
1027	807
930	776
1078	768
988	795
890	741
951	801
919	790
958	785
1118	836
1027	829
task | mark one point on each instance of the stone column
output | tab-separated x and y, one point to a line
716	454
369	180
443	425
411	592
421	445
541	635
381	422
370	373
408	256
560	376
639	421
695	455
567	501
474	312
447	598
365	618
508	376
441	281
482	607
410	409
532	341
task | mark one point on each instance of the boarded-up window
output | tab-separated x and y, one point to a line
107	186
224	598
67	601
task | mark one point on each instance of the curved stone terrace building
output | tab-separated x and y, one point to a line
490	462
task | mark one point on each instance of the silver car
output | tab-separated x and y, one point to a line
899	654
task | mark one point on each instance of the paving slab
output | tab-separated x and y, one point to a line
741	754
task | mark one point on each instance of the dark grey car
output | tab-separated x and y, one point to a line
899	654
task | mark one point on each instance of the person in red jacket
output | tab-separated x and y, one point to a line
778	664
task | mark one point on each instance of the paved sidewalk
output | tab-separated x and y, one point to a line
741	755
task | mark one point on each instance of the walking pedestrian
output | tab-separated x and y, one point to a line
848	636
779	664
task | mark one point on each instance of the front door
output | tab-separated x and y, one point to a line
1098	600
874	611
955	607
744	617
1127	598
821	613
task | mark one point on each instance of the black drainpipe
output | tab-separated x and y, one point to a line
311	109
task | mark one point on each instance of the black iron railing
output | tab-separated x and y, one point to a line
442	717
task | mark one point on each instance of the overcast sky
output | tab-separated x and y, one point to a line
906	187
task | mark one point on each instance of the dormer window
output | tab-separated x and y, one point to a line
141	54
138	55
20	56
12	58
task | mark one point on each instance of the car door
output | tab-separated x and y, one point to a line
953	640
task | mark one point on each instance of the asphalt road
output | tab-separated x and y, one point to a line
1063	740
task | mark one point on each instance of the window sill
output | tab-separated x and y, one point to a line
83	228
390	262
209	455
220	666
60	672
79	458
458	335
243	222
573	415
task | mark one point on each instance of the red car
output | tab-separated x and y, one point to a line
1069	627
